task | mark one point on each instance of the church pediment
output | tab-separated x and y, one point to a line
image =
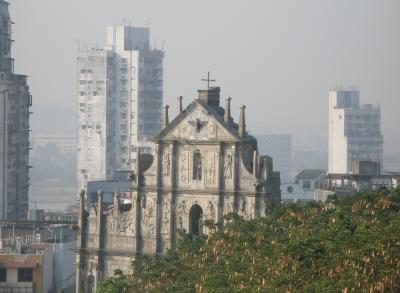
198	122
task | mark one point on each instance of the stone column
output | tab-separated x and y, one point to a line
81	243
236	174
160	184
99	265
221	185
174	186
180	107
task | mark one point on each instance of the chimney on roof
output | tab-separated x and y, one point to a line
210	96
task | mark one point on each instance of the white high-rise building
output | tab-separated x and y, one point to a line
120	97
354	131
15	102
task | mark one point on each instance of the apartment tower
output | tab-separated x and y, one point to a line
15	101
120	97
354	131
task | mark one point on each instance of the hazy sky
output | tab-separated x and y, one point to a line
278	57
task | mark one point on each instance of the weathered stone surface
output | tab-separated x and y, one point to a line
202	169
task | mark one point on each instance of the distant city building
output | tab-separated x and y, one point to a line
15	101
354	131
36	257
66	144
279	147
365	175
120	97
303	189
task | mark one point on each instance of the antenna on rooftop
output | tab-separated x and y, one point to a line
162	45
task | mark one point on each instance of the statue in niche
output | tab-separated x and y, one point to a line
228	166
166	165
197	168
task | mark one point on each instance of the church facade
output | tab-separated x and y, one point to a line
204	166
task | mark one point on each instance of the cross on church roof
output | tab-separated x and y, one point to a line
208	80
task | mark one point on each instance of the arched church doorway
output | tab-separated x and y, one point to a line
196	220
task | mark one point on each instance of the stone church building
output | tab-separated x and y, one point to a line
204	166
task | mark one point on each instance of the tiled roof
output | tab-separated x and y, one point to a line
310	174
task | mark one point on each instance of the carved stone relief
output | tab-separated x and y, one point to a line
212	130
211	209
228	208
228	166
183	167
166	165
211	171
165	217
182	207
123	223
149	218
243	206
180	222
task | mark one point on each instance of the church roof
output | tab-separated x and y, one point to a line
214	111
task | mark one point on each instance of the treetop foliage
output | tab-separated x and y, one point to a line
347	244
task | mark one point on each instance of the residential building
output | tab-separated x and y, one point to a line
66	144
205	165
303	189
120	96
278	146
354	131
36	257
15	102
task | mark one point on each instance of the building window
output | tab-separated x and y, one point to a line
290	189
25	275
306	184
3	275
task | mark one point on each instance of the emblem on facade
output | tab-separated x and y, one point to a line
228	167
198	124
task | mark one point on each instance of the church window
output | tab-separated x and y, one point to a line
197	168
196	220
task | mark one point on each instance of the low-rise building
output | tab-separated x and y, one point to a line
303	189
36	256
